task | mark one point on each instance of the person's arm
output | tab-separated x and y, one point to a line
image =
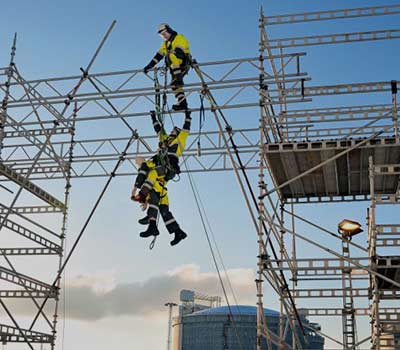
157	58
158	128
156	124
180	53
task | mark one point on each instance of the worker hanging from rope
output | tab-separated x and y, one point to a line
155	173
175	49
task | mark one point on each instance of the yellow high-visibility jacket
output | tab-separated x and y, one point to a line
176	50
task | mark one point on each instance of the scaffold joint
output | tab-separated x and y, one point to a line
264	257
135	134
85	73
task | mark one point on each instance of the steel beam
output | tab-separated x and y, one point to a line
30	186
28	282
28	251
9	334
332	14
339	38
22	294
38	209
339	311
25	232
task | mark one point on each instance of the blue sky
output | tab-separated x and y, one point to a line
56	38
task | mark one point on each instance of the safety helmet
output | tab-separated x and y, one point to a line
162	27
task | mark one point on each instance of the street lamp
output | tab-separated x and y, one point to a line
349	228
170	306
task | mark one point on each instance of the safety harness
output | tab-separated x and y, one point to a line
185	57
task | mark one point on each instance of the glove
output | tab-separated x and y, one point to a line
147	68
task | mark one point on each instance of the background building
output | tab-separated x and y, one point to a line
221	327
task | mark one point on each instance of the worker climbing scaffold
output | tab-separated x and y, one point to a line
175	49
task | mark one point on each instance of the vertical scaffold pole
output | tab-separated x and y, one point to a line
282	257
259	280
394	108
374	308
4	103
294	261
67	194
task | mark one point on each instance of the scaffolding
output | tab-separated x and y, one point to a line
304	156
323	155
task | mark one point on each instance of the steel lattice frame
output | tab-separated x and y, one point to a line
41	139
324	137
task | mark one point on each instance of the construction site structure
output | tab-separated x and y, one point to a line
325	155
304	157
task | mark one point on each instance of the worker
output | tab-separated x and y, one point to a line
158	202
175	49
165	164
154	174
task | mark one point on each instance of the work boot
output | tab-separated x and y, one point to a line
144	221
179	235
182	106
152	230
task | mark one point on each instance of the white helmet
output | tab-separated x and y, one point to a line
162	27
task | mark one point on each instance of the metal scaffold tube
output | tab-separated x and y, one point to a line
301	155
4	103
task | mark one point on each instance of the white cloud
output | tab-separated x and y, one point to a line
94	297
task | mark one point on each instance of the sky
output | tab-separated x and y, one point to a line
115	287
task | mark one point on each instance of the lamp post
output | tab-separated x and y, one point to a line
348	228
170	306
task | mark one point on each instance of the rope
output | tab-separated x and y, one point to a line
159	107
217	248
202	118
192	185
200	207
153	242
229	130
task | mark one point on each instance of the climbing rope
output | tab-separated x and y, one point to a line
203	215
197	193
202	119
229	131
203	221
